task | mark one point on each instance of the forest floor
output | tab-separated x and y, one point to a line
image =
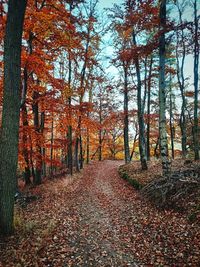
97	219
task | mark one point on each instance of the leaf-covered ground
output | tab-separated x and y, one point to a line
98	219
179	191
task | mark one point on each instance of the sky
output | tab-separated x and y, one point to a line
108	3
108	49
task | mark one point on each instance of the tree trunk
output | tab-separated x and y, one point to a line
27	171
181	83
134	143
148	108
100	145
88	147
31	157
44	166
171	117
38	167
69	134
82	91
126	123
76	155
100	130
69	148
162	95
81	159
69	137
88	131
10	113
142	145
52	141
196	80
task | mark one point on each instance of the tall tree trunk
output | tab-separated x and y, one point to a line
100	130
90	13
11	112
100	145
88	147
148	107
44	166
162	95
142	145
81	159
42	122
181	83
145	84
69	134
52	141
38	167
196	130
76	158
88	131
27	171
171	117
31	157
82	91
126	121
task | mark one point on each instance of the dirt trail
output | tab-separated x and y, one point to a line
97	209
103	222
113	226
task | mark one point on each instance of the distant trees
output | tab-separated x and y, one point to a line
130	28
186	28
151	28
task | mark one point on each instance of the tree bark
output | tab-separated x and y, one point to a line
196	130
181	83
100	130
171	117
27	171
142	145
126	122
76	158
82	92
148	108
52	142
69	134
38	167
88	130
11	112
162	95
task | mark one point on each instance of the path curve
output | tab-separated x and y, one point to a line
109	224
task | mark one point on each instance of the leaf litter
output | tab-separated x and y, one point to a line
98	219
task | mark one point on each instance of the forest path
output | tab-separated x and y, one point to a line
98	209
101	209
108	223
99	220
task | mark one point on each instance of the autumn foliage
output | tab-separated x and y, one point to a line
62	83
